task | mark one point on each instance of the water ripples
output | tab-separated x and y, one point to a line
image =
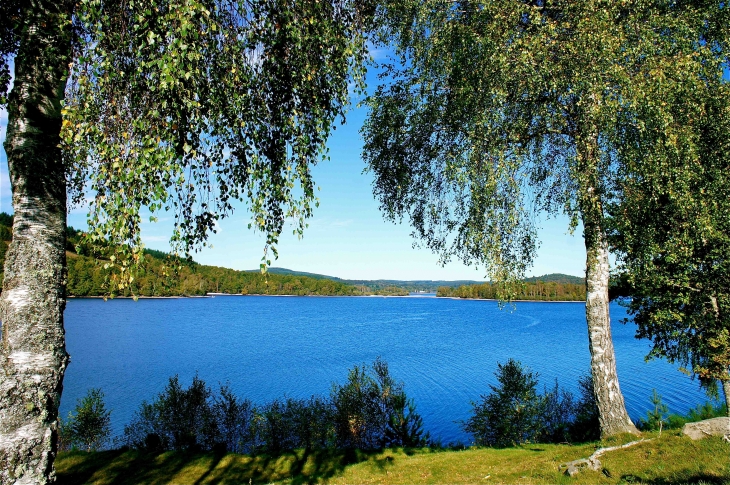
445	351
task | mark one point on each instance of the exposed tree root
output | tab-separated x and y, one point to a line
572	468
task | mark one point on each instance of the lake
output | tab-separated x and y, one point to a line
445	351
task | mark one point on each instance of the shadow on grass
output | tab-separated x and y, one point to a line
689	478
132	467
111	467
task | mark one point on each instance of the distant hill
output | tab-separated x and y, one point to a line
557	278
430	286
410	285
162	274
291	272
86	276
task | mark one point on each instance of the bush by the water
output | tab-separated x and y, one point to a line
658	416
369	411
88	426
179	419
515	413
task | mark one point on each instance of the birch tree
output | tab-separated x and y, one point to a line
142	106
493	111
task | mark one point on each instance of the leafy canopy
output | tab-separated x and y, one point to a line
672	232
191	105
496	110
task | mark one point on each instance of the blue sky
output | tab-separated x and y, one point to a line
347	237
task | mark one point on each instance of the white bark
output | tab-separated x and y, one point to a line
33	357
612	415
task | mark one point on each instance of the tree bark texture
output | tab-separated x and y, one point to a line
33	354
612	414
726	390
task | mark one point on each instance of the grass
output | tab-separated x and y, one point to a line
671	458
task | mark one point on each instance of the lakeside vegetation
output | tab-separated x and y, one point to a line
367	414
368	431
538	291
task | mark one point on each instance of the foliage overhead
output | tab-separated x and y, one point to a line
671	231
191	105
493	111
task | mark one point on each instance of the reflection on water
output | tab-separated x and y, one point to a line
444	350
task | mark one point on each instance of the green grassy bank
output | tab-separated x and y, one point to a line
671	458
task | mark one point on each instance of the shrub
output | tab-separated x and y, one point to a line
698	413
89	428
276	426
356	411
706	411
235	419
179	419
370	411
314	425
511	413
514	413
287	424
557	414
656	416
585	425
405	425
365	406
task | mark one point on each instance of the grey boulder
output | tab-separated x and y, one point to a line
708	427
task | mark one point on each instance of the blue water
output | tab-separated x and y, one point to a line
445	351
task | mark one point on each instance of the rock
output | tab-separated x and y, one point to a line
572	468
708	427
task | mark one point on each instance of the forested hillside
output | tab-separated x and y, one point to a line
538	290
163	275
556	278
414	286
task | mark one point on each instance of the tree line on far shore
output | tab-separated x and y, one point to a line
538	290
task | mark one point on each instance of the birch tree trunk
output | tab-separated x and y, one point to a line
33	355
726	391
612	414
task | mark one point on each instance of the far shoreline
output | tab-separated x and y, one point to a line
504	301
213	295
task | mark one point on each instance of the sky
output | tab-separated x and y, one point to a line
347	237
